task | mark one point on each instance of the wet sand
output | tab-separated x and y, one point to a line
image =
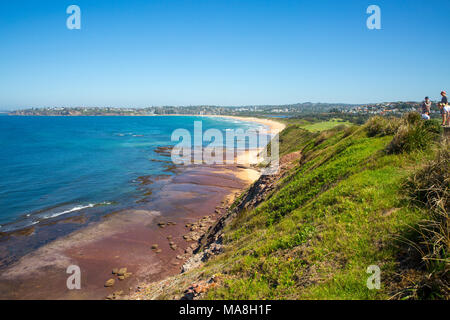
125	239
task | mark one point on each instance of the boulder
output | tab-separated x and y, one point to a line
122	271
110	283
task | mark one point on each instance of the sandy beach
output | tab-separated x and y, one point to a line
274	126
249	157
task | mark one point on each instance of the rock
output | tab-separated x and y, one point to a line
158	250
173	247
180	257
110	283
121	277
200	288
169	237
122	271
115	270
154	246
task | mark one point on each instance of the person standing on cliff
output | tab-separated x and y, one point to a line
445	109
426	108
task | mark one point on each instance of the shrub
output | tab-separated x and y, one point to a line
412	135
340	127
349	131
434	126
430	188
379	126
412	118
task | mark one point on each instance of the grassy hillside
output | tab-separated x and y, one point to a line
324	125
345	205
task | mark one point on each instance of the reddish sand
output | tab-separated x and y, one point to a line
125	239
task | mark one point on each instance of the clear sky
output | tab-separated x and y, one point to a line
222	52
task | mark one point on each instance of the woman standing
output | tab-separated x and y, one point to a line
445	108
426	108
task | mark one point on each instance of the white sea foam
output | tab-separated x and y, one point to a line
76	208
37	218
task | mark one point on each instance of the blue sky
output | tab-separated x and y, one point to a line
221	52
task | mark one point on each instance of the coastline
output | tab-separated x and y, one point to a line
125	238
249	157
274	126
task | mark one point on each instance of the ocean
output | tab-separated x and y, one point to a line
56	167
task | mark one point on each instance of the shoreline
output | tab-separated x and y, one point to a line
125	238
248	157
275	126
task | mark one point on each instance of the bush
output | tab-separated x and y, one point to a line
410	132
407	138
430	188
412	118
434	126
349	131
379	126
412	135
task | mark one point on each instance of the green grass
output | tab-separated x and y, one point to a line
338	211
324	125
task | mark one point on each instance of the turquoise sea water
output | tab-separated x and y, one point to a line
55	166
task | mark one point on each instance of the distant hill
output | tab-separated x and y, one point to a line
287	109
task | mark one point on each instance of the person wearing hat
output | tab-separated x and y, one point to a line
426	108
445	109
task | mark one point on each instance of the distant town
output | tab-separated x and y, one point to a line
292	110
